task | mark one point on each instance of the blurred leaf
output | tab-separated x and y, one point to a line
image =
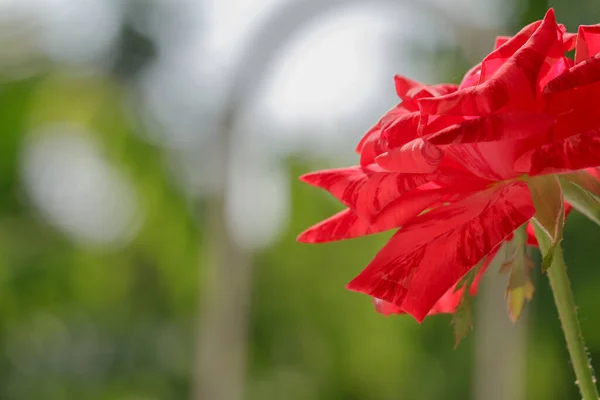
15	98
517	264
462	319
516	299
582	200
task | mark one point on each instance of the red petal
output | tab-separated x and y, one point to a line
398	123
366	190
343	225
404	86
346	224
500	40
569	41
385	308
448	303
443	89
388	118
493	160
410	272
576	109
595	172
402	130
584	73
436	123
372	146
410	91
588	42
570	154
411	204
407	89
453	174
513	86
471	78
374	131
504	50
415	157
494	127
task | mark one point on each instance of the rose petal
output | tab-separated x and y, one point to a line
513	86
584	73
493	160
415	157
569	41
347	224
409	271
405	85
570	154
588	42
402	130
411	91
500	40
471	78
576	109
505	49
449	302
493	127
366	190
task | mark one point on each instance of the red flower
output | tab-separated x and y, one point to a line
459	168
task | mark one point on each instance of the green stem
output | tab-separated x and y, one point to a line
565	303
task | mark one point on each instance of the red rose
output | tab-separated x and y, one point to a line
459	168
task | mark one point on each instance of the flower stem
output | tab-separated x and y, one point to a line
565	303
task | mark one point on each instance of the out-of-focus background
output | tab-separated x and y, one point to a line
149	203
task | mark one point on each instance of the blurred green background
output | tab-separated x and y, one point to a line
148	216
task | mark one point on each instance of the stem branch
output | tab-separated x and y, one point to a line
565	303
